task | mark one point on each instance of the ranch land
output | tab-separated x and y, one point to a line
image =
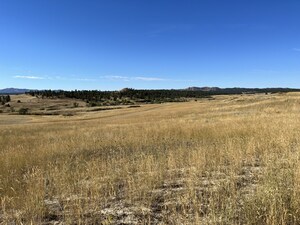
231	159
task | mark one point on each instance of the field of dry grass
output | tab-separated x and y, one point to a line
49	106
231	160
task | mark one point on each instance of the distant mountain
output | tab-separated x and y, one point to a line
13	91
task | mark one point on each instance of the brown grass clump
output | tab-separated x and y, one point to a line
233	160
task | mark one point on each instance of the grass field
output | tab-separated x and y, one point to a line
231	160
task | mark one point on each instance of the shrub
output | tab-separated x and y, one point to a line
92	104
23	111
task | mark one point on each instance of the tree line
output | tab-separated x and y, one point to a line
125	96
132	96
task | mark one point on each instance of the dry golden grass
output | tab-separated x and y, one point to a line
47	106
232	160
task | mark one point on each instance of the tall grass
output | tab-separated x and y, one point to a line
228	161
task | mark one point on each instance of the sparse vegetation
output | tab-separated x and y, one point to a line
4	99
234	160
23	111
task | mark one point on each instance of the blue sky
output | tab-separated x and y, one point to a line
112	44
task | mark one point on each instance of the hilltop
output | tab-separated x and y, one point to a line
14	91
203	88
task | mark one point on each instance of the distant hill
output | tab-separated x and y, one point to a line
13	91
237	90
188	91
203	89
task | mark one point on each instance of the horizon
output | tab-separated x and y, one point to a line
262	88
110	45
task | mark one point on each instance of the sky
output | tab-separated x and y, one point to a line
149	44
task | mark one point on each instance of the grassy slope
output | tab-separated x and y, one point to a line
47	106
232	160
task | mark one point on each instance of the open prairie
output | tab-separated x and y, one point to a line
227	160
